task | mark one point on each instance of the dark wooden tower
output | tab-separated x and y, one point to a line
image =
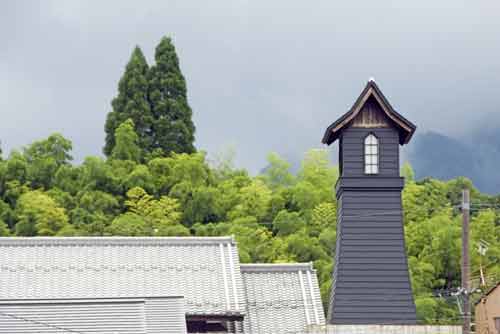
371	284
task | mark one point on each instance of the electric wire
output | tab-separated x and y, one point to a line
38	322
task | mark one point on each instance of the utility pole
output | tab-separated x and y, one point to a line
465	259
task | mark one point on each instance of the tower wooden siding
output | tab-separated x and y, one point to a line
353	151
371	284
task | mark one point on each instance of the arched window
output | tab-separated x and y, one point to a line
371	154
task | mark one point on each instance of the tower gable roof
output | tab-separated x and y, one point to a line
404	126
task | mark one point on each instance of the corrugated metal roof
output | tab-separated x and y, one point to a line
162	315
281	298
203	270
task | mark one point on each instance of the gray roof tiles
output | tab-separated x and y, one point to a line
272	298
281	298
204	270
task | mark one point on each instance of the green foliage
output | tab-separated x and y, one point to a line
277	174
304	248
155	100
129	224
172	129
148	216
7	215
131	103
39	214
275	217
315	181
485	228
426	308
94	212
55	147
41	160
126	139
407	172
253	200
324	216
287	223
4	229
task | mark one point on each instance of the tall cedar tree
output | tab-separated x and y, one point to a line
173	128
131	103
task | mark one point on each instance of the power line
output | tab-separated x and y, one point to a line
17	317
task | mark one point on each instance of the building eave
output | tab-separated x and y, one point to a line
405	127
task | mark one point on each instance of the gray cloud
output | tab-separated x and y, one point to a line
262	75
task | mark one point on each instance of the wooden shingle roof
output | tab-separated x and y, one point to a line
404	126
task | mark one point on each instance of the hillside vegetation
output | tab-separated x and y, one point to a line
275	217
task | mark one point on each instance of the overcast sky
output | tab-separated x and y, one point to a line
262	75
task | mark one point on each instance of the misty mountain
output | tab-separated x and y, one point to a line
476	156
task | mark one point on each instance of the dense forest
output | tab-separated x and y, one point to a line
154	183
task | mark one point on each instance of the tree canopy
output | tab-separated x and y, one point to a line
131	103
173	129
277	216
154	99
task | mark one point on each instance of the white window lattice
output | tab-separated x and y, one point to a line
371	154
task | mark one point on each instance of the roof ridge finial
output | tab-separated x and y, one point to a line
371	79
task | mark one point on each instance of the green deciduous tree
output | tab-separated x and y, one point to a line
286	223
173	128
4	229
44	158
55	147
68	178
277	173
39	214
304	248
7	214
94	211
316	179
129	224
202	206
255	242
324	215
132	103
97	174
486	230
150	216
253	200
139	177
126	140
407	172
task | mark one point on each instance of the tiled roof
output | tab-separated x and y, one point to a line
203	270
120	315
281	298
272	298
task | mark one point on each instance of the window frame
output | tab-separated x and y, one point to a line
371	167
